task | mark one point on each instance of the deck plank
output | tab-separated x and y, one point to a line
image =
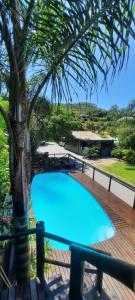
11	294
121	246
33	289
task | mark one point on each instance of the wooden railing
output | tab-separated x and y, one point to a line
103	262
117	269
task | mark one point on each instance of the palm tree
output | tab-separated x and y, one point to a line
61	41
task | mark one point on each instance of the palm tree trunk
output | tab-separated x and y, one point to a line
20	194
20	176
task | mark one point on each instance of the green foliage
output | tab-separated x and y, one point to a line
122	170
61	125
103	134
129	156
54	126
4	155
91	152
32	243
4	174
42	110
127	138
32	258
117	152
69	32
3	139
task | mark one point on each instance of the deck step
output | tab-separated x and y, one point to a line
53	289
53	280
60	289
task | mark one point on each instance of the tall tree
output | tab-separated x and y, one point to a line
62	41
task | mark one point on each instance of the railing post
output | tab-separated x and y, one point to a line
99	281
110	181
93	173
83	167
76	277
134	203
40	252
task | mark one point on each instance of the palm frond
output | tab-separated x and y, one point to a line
87	36
73	40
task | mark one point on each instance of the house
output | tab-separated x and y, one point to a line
84	139
84	117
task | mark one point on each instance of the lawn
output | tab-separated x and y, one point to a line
122	170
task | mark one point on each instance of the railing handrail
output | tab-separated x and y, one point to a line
118	269
124	183
69	242
9	236
131	187
121	271
67	265
47	235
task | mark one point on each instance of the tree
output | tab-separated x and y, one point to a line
55	125
129	156
4	156
41	111
117	152
131	107
127	138
68	40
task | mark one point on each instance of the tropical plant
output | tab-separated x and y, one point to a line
4	174
4	157
117	152
53	125
103	134
127	137
61	41
129	156
92	152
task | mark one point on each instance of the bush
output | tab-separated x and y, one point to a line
127	138
103	134
117	152
91	152
4	174
130	156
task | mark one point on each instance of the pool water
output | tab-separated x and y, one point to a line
69	210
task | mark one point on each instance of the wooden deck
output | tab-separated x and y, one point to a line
121	246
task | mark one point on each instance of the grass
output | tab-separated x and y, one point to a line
122	170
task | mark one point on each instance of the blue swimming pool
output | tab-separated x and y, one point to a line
69	210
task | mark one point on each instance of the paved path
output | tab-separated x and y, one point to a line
54	148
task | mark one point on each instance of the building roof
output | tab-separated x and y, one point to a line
84	115
90	136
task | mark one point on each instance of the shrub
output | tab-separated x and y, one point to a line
91	152
130	156
4	174
103	134
117	152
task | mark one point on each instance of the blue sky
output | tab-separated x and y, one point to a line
120	91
